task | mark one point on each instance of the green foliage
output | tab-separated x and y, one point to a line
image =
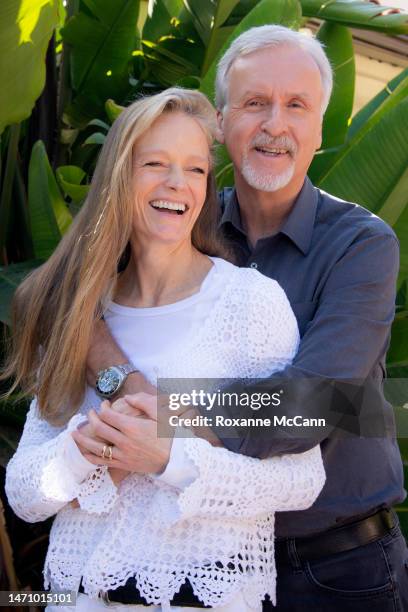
102	62
25	29
49	214
102	37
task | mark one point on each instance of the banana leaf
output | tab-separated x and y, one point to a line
372	162
70	179
365	113
101	36
49	214
26	27
338	44
357	14
167	60
10	277
220	31
161	18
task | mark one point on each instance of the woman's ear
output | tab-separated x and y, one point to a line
219	134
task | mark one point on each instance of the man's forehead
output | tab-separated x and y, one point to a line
286	67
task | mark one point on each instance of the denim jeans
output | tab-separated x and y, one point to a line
370	578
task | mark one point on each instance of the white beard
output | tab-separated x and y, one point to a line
264	181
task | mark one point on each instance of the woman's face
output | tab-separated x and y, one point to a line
171	165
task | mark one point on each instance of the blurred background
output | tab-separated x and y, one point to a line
67	68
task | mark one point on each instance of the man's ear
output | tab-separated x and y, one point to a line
319	139
219	135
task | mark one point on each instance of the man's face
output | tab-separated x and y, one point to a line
272	123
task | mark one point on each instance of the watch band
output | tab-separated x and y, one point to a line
127	368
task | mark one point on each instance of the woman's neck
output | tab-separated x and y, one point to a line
162	275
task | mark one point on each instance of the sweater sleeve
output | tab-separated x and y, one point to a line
231	485
47	469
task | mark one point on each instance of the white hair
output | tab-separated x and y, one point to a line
262	37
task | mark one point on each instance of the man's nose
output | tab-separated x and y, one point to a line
175	178
274	120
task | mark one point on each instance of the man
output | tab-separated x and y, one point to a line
338	264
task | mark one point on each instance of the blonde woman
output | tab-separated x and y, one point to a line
178	309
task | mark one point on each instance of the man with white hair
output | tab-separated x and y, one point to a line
338	265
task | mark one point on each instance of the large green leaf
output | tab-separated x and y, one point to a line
220	31
202	16
338	43
357	14
167	60
49	215
10	277
374	104
400	225
26	27
339	48
102	37
372	163
161	16
70	179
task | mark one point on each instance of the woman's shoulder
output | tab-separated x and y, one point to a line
249	279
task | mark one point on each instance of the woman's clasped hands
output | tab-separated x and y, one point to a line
123	435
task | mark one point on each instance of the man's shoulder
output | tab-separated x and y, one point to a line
350	217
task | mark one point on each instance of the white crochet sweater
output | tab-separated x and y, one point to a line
220	524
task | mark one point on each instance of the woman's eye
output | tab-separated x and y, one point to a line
153	163
198	170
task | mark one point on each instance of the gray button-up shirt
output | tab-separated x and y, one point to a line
338	264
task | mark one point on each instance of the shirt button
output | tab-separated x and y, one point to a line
254	265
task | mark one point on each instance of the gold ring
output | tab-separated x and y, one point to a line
107	449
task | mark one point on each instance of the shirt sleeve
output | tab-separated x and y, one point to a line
180	471
344	341
232	485
46	472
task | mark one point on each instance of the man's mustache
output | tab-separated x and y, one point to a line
280	142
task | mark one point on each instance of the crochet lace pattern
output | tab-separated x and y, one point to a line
220	534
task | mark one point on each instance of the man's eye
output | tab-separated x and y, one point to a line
198	170
295	104
254	103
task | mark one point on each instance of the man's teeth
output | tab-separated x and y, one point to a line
179	206
276	151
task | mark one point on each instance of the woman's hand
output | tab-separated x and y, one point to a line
134	443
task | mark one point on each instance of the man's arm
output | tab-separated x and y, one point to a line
343	342
103	353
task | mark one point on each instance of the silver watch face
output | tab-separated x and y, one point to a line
109	380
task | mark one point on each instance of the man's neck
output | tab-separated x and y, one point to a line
263	213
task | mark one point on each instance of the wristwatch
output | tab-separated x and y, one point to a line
109	381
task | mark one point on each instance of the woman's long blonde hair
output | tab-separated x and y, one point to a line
54	309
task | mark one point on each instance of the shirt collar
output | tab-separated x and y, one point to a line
299	224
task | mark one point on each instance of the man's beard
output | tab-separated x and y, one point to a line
263	180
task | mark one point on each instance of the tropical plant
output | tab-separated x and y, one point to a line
69	67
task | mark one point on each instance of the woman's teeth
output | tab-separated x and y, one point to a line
178	207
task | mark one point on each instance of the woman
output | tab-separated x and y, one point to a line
178	310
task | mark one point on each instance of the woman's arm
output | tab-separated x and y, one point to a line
47	468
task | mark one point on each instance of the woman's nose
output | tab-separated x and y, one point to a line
175	178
